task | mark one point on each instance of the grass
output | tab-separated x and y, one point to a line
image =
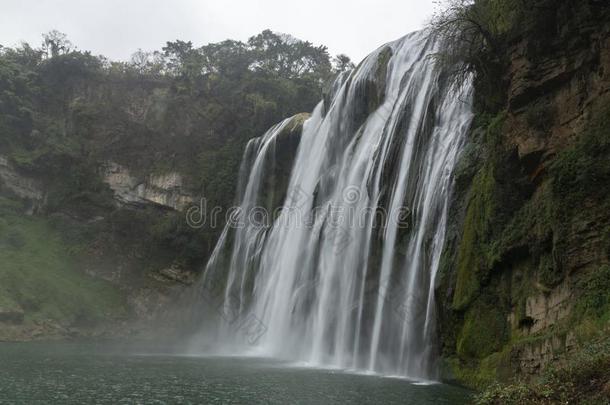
39	275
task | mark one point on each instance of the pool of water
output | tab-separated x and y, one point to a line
99	373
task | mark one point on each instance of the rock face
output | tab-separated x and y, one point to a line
281	162
550	97
165	190
11	315
21	185
552	101
528	244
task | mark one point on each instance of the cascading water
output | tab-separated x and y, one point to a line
344	275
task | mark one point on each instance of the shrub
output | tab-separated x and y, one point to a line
582	380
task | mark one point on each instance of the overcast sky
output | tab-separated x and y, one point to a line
116	28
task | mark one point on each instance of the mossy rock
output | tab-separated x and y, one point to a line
280	163
484	331
370	92
41	279
495	367
470	260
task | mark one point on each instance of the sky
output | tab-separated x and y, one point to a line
117	28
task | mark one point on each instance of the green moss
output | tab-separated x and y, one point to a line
548	273
594	300
484	331
582	171
531	227
470	260
40	276
473	254
482	374
524	229
539	229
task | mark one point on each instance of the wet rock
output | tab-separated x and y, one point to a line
370	90
176	274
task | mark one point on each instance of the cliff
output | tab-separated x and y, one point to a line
164	190
104	159
525	275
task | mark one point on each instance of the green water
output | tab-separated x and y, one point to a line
69	373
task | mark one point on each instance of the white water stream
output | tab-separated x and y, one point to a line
344	277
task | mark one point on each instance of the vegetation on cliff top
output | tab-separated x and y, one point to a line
182	108
65	112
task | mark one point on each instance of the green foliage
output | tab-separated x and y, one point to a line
342	63
518	228
582	171
537	231
56	43
39	276
594	300
473	257
480	32
533	228
481	374
16	88
476	32
217	170
59	104
287	56
470	261
582	380
185	109
484	331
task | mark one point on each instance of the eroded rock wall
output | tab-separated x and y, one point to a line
164	190
528	247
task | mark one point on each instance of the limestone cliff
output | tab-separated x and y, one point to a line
525	274
164	190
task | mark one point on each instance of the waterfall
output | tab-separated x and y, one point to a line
343	274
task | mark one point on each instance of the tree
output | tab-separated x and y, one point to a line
476	34
183	59
288	57
342	63
140	60
56	43
151	63
232	58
